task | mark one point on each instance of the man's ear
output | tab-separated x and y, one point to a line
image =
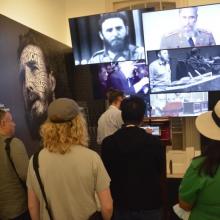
100	35
52	81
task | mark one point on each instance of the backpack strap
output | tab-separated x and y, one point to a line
36	169
8	151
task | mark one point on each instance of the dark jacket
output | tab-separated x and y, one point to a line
135	161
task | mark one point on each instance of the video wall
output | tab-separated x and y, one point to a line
171	58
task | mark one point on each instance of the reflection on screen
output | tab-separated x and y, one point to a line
178	104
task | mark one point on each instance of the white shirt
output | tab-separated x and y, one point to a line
109	122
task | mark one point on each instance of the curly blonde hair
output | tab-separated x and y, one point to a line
59	137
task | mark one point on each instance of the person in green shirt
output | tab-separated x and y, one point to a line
199	190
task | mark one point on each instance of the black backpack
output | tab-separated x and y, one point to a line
36	169
8	151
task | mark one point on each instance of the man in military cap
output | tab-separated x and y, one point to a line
188	35
114	33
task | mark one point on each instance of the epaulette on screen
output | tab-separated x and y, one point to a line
171	33
204	31
98	53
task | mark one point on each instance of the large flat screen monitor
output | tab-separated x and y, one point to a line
131	77
184	27
178	104
109	37
184	70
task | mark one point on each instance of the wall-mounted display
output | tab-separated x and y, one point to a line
178	104
184	27
181	48
185	70
108	37
131	77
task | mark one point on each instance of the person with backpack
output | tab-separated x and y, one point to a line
13	171
64	177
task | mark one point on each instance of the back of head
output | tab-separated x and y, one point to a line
65	126
113	95
133	109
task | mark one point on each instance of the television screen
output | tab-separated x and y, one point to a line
109	37
131	77
185	70
178	104
184	27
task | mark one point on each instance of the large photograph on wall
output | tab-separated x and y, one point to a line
33	72
109	37
184	27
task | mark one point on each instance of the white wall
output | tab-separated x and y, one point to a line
77	8
202	2
45	16
50	17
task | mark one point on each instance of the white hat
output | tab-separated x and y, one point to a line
208	124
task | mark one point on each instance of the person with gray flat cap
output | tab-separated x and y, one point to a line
199	190
68	174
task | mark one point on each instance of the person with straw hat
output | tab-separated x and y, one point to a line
199	191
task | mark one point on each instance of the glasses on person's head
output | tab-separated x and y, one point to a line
3	108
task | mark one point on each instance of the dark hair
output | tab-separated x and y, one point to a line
212	159
133	109
194	51
106	16
159	51
113	95
33	38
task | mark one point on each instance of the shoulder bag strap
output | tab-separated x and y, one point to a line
36	169
8	151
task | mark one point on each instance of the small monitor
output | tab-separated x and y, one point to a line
155	129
